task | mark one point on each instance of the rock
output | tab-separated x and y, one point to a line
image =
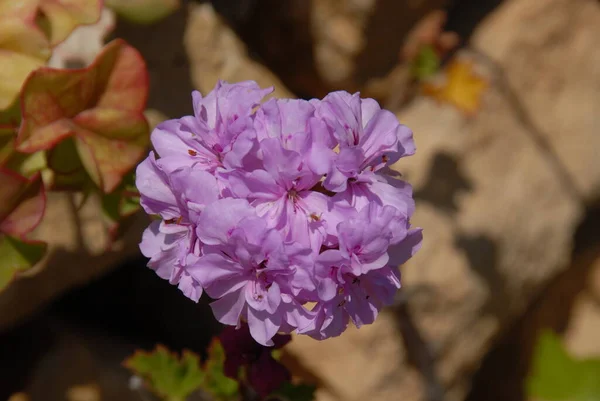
84	393
215	52
338	29
565	306
357	41
344	35
549	57
278	33
480	186
499	209
334	66
77	365
18	397
318	46
581	336
369	363
499	196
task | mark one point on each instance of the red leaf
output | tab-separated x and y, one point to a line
22	203
23	47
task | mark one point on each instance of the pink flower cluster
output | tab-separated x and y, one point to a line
283	212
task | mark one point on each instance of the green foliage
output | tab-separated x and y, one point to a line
22	205
294	392
120	204
166	374
17	255
66	165
221	387
557	376
174	378
425	64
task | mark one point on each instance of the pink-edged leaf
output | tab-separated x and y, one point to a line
9	124
65	15
101	107
10	119
116	213
84	43
22	203
107	160
123	71
113	123
47	136
23	48
17	255
119	205
7	148
21	163
64	161
22	9
13	186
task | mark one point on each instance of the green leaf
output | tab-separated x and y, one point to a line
16	256
129	204
63	158
25	164
294	392
426	64
7	147
143	11
167	374
217	384
130	196
29	164
22	163
67	169
557	376
120	204
110	207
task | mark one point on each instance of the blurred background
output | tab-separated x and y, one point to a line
503	97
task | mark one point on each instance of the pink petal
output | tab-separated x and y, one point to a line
228	309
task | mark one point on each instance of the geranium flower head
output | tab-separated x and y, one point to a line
271	207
